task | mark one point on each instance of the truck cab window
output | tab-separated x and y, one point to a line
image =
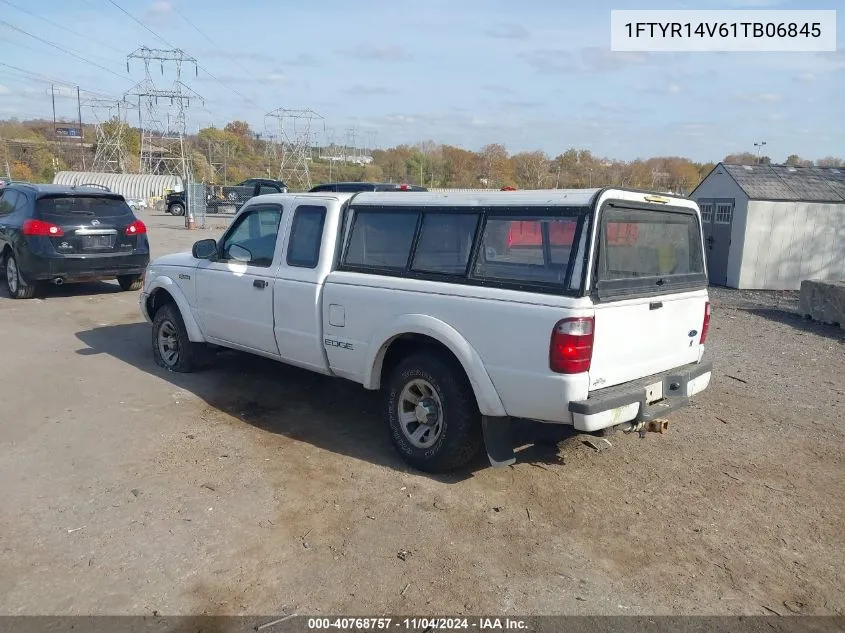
306	234
255	232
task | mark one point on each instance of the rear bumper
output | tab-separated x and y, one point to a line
71	267
629	402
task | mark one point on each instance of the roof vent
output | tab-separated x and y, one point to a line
791	169
748	168
835	171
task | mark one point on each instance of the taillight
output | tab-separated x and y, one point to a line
706	325
571	347
39	227
136	228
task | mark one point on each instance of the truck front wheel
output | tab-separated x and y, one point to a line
172	349
432	414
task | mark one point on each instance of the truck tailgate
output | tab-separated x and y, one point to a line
640	337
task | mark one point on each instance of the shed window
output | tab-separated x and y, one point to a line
724	213
706	212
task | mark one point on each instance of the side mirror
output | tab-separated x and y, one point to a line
204	249
239	253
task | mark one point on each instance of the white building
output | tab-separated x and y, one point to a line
771	226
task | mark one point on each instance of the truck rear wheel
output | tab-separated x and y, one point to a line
431	411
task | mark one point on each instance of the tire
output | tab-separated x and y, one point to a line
454	436
188	356
18	288
130	282
177	208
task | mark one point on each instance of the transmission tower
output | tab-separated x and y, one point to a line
110	127
294	144
163	130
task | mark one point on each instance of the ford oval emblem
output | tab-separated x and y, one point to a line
95	222
692	333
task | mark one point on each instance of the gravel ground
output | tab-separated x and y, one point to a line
253	487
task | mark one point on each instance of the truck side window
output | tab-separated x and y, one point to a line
306	234
445	242
256	232
381	239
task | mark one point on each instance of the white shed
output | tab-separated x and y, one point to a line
768	227
135	186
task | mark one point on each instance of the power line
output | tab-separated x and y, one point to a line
44	78
60	26
202	68
211	41
61	48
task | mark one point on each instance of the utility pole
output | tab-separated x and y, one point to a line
81	132
162	147
53	95
294	144
110	128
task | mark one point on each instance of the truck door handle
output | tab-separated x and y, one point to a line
259	283
655	305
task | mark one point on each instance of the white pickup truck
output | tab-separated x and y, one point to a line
469	310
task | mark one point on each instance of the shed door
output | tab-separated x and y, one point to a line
716	219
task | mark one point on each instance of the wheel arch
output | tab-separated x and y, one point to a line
164	290
413	333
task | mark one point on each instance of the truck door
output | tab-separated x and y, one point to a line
234	291
297	295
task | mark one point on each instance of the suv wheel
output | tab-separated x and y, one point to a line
172	349
18	288
177	208
432	414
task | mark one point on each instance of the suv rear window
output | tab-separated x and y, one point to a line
642	249
59	208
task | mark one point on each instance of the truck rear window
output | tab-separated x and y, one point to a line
641	249
59	208
527	250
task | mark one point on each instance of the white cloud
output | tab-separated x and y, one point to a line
806	77
363	90
159	12
4	90
509	32
386	53
674	89
765	97
276	77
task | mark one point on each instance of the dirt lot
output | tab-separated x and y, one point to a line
253	487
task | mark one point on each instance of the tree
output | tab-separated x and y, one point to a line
531	169
830	161
796	161
495	166
21	171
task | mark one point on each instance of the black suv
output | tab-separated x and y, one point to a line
227	196
60	233
351	187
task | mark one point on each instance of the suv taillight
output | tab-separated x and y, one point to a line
136	228
705	327
39	227
571	347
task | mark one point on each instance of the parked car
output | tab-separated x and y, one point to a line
62	234
226	196
471	311
352	187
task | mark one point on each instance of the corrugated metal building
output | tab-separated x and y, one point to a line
770	226
135	186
